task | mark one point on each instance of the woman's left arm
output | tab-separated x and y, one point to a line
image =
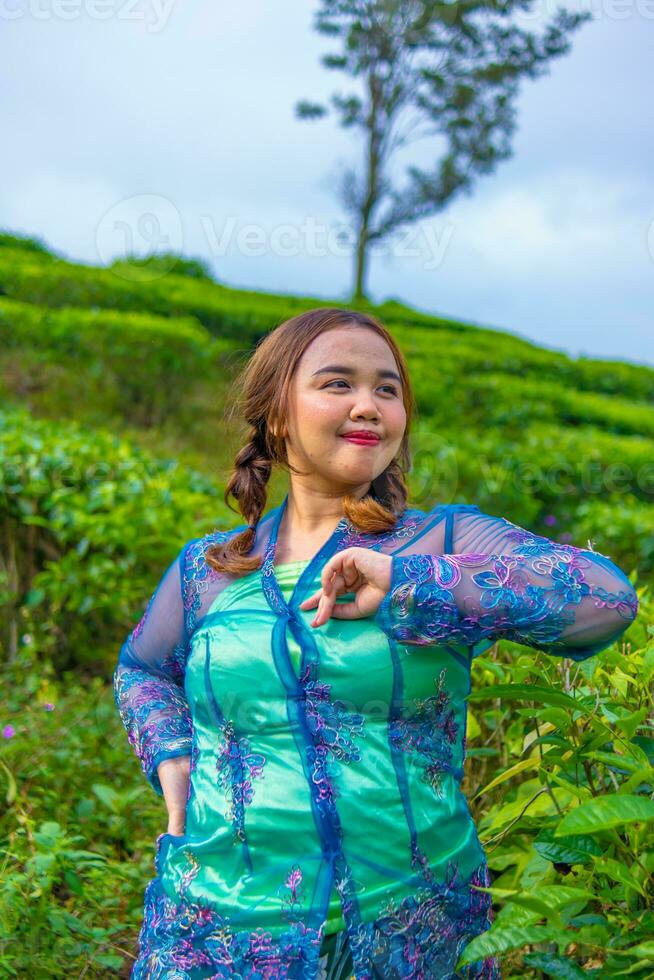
148	679
504	582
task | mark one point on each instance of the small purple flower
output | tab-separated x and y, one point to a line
8	731
550	519
48	706
565	537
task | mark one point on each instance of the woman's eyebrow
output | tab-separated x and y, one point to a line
341	369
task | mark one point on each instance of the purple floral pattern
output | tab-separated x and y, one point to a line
404	530
178	937
292	894
529	595
430	732
424	935
197	574
333	730
237	766
421	936
190	873
155	713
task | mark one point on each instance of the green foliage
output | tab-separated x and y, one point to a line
162	263
563	769
78	826
455	355
225	312
133	365
89	524
34	245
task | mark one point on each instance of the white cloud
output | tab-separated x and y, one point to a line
568	225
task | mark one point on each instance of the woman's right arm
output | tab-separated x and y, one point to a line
149	689
502	581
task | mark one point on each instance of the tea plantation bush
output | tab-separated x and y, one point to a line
136	364
89	522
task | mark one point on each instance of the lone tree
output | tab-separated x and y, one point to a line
428	69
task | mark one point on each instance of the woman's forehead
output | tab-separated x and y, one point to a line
356	347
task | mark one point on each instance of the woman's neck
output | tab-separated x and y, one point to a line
308	522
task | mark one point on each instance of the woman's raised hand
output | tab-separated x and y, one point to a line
364	572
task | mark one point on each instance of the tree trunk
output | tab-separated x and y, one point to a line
372	189
361	264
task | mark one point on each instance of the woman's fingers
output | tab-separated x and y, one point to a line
366	575
327	600
334	585
311	600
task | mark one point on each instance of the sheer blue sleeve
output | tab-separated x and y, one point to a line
501	581
149	677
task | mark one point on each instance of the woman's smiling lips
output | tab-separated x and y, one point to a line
363	437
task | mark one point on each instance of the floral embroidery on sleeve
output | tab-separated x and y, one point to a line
537	594
155	713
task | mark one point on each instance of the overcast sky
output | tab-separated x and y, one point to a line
113	110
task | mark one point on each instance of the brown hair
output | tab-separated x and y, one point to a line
262	399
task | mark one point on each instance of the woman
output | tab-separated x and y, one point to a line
296	687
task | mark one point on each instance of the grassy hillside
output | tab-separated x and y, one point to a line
114	449
528	431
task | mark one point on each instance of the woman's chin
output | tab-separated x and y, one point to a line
354	478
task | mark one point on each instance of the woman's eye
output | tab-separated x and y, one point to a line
340	381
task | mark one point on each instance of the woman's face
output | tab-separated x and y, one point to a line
361	390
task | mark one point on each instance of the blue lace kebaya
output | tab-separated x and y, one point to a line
326	762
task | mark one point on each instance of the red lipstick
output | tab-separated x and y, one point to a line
362	437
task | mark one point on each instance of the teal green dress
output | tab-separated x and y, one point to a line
241	674
326	762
